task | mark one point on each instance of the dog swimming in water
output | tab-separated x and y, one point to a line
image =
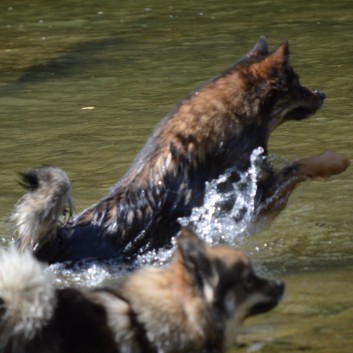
195	304
214	129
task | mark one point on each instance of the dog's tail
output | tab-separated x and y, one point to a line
38	212
27	297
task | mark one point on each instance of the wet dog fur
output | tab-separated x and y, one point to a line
38	213
215	128
193	305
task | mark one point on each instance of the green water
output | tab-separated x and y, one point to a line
130	62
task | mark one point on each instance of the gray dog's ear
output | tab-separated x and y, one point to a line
29	180
194	256
260	48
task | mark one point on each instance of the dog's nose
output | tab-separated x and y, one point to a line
321	94
279	285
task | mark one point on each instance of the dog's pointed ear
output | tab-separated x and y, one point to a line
279	57
29	180
193	252
274	62
260	48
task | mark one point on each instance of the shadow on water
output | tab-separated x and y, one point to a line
76	59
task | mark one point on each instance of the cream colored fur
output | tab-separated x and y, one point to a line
38	211
27	296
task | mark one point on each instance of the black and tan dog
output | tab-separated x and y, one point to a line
193	305
215	128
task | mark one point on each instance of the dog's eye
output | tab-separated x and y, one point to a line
249	282
2	306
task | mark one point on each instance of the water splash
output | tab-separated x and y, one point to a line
227	216
160	257
89	273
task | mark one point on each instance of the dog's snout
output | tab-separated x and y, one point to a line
321	94
280	286
277	289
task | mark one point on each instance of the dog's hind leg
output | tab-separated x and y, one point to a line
275	189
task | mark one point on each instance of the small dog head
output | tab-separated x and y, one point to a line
38	212
50	184
272	88
226	280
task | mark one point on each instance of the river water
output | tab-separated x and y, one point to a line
83	83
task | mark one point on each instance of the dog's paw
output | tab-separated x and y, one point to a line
324	165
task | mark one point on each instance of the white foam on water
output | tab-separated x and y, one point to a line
89	273
159	257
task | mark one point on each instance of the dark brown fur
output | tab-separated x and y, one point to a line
194	305
215	128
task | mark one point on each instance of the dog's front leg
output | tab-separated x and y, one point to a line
275	189
320	167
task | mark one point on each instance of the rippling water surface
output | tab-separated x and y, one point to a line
83	84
